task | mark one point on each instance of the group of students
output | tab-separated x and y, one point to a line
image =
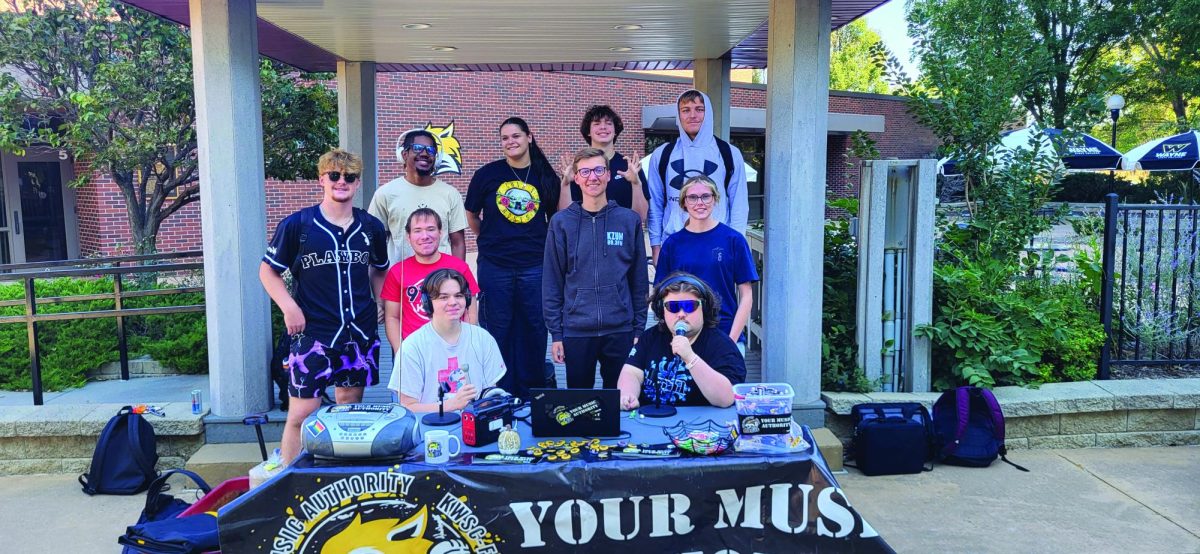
559	256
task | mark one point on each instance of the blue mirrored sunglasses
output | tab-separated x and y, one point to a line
426	148
686	306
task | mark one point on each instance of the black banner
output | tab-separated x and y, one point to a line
728	504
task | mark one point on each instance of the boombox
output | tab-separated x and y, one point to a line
360	431
483	419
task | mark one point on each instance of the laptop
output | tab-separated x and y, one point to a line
575	412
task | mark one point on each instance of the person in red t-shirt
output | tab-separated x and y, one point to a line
401	294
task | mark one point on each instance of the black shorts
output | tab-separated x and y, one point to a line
313	366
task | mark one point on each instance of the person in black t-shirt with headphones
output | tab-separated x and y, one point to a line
694	362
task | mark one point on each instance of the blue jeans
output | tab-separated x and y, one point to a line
511	310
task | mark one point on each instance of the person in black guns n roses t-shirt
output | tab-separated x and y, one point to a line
509	204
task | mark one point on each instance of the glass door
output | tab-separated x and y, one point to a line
43	225
37	207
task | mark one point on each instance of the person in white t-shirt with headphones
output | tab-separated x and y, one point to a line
446	350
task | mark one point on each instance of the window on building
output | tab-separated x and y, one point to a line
152	181
753	147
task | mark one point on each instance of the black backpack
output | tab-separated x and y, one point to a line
123	462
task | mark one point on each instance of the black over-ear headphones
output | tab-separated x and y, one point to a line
707	297
439	277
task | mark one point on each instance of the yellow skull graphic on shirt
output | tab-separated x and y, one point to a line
517	201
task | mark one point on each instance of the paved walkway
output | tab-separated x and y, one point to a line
1086	501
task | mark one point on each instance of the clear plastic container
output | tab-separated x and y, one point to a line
262	472
763	398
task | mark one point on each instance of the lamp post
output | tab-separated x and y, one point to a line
1114	103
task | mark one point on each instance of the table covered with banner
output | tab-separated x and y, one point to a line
730	503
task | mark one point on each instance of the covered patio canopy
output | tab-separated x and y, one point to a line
358	38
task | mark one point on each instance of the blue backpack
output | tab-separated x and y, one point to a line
123	462
968	427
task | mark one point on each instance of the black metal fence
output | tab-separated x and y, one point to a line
1149	301
116	267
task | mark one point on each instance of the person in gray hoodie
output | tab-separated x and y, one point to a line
594	279
696	152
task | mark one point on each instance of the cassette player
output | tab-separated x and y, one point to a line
360	432
483	419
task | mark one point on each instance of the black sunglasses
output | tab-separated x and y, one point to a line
336	176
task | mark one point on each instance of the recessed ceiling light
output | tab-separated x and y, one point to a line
621	49
415	26
443	48
617	68
628	27
458	68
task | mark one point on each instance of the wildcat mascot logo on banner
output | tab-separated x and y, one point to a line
377	513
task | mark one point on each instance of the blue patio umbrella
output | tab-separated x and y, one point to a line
1175	153
1079	152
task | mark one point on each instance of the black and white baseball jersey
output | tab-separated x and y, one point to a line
330	267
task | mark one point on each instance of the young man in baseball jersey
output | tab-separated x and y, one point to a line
338	258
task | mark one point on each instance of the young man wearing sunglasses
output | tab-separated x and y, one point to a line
419	188
337	255
684	360
594	278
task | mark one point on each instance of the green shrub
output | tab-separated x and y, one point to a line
839	347
995	325
69	349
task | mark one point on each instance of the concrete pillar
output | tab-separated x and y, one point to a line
356	122
233	215
797	123
712	78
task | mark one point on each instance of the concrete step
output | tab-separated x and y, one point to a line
217	463
61	438
231	430
831	448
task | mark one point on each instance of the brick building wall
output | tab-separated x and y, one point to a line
476	103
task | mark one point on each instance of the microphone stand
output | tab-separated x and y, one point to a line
657	410
441	418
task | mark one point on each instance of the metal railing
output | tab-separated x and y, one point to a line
117	268
754	329
1148	303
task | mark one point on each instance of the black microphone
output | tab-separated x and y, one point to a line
443	388
441	417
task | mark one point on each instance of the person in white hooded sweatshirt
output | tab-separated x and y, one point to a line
696	152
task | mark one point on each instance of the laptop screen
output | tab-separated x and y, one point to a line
575	412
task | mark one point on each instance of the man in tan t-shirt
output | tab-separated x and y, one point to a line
418	188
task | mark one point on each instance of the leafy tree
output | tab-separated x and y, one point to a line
1062	75
1163	41
112	85
852	49
992	325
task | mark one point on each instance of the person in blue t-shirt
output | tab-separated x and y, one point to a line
714	252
